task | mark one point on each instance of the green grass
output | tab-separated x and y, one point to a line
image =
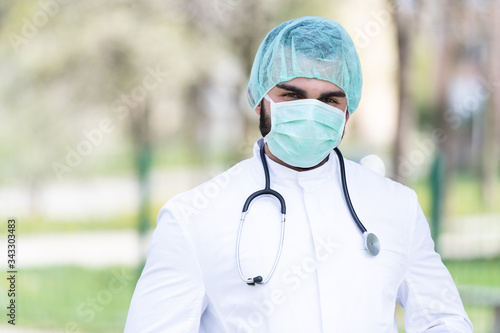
43	225
483	272
94	300
74	299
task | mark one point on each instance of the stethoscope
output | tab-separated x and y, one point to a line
372	244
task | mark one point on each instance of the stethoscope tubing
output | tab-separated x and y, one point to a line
372	243
266	191
346	191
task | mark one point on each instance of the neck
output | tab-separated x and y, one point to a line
277	160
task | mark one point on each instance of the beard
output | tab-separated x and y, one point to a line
264	120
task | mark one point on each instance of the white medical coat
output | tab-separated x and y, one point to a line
325	281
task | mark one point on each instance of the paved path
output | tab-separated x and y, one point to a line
96	197
88	249
469	237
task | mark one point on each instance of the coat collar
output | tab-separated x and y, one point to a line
282	175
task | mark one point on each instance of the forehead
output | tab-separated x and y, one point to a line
310	85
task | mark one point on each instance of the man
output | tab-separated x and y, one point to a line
321	276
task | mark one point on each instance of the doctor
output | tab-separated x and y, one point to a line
305	84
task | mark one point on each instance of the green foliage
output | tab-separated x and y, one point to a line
74	299
483	272
463	197
43	225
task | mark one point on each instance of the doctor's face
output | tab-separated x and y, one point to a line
300	88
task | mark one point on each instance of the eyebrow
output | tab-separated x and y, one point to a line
298	91
289	87
328	94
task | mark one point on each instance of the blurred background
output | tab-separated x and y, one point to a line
109	108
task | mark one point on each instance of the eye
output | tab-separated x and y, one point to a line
291	95
330	101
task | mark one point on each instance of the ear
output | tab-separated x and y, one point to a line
257	108
347	116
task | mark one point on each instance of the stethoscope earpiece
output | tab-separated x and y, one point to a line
255	280
266	191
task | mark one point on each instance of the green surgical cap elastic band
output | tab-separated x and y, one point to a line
310	47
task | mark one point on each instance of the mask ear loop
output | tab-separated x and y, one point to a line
271	133
346	104
266	97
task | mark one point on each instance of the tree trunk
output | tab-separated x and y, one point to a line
405	121
491	149
443	69
141	134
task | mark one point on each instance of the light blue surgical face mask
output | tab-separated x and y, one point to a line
304	132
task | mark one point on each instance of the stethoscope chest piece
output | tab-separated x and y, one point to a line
372	244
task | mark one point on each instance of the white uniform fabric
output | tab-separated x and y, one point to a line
325	280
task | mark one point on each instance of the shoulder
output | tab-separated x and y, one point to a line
374	184
213	193
388	206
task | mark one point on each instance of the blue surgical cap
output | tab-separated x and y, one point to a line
310	47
